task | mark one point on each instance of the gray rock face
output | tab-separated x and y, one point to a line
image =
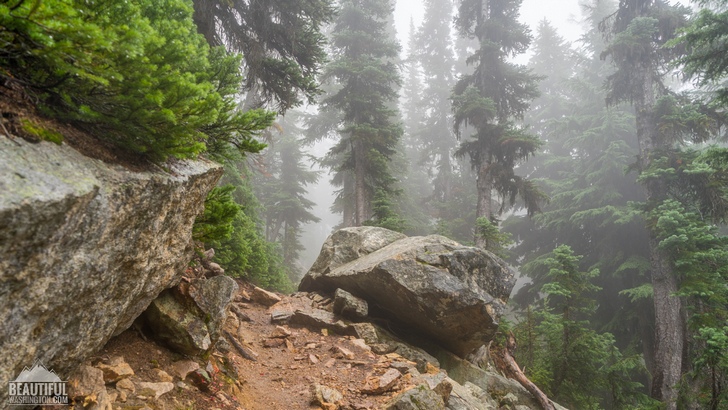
84	248
191	323
452	293
346	245
350	306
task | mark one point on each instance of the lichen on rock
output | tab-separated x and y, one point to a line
85	246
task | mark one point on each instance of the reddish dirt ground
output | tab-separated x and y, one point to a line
281	377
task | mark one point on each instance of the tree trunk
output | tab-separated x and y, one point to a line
669	327
361	194
347	200
485	195
446	171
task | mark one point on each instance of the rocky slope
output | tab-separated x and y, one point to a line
283	354
85	246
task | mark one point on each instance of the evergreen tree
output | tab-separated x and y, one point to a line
433	50
640	31
490	100
281	189
577	366
366	77
281	43
588	148
245	252
707	57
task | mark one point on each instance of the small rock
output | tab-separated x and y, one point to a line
86	382
440	384
366	331
403	366
418	398
216	269
201	379
382	384
350	306
280	332
313	359
184	367
115	370
280	315
343	352
243	296
326	397
319	319
163	376
208	254
125	384
382	348
273	342
361	343
263	297
154	389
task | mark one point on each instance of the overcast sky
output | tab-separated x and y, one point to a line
563	14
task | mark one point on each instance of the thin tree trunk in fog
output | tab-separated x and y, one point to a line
485	194
360	189
446	170
348	203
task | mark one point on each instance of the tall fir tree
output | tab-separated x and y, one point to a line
366	80
641	48
637	51
491	100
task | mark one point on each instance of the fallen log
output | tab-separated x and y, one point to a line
514	371
245	352
239	313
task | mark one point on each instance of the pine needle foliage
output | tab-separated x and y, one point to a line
135	73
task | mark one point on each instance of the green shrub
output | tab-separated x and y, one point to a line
134	71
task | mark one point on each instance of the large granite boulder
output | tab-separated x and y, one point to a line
84	248
189	318
451	293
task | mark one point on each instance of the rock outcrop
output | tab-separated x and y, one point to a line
189	318
85	247
451	293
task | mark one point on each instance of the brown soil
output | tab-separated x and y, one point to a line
281	377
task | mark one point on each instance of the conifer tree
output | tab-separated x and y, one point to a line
491	100
366	78
281	190
575	364
641	32
281	43
433	50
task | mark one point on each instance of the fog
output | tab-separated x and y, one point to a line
563	14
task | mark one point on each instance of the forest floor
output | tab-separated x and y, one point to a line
290	364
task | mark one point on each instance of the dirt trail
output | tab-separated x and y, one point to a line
289	363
